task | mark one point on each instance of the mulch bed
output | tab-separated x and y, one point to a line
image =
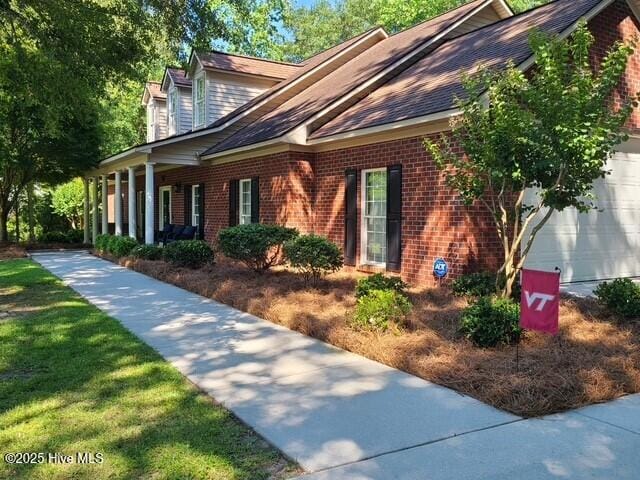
595	358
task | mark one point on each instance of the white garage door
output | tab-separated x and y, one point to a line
599	244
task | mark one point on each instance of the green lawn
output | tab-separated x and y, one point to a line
73	380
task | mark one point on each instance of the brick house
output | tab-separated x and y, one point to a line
333	145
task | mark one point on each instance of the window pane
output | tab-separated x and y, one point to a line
375	212
245	202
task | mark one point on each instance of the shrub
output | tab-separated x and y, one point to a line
102	243
491	321
621	296
54	237
380	309
256	245
188	253
313	255
377	281
121	246
147	252
75	236
474	284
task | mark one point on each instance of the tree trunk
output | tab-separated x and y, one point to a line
16	209
30	216
4	219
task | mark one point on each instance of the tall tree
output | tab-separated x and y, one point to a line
550	133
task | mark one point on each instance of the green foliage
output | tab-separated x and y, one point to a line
121	246
474	284
378	281
67	201
102	243
621	296
256	245
188	253
381	309
147	252
56	236
490	321
313	256
552	131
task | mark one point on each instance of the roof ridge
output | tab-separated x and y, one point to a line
250	57
362	34
503	20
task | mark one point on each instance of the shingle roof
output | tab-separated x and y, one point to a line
179	77
305	67
431	85
248	65
342	80
155	91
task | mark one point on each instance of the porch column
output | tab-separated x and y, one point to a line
86	209
132	202
149	191
105	204
118	203
94	217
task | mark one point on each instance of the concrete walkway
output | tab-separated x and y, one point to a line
343	416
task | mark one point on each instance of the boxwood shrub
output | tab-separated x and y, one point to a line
121	246
474	284
257	245
377	281
102	243
380	309
313	256
147	252
621	296
188	253
491	321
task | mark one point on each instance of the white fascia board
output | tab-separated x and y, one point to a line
410	122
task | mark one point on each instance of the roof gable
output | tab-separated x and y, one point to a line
244	65
152	90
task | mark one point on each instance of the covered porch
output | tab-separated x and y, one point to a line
125	168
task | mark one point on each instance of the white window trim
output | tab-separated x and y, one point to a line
172	124
151	121
194	203
160	206
244	181
363	224
202	77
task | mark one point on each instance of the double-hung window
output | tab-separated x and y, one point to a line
151	122
199	108
195	205
374	217
172	106
245	201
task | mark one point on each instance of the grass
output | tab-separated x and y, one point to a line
73	380
595	358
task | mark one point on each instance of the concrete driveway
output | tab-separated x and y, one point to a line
339	415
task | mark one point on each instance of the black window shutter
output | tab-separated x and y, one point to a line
394	217
255	200
350	216
187	204
233	202
201	204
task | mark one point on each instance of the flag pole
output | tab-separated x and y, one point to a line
559	270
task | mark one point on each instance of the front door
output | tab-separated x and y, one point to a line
165	207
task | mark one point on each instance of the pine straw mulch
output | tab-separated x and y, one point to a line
11	250
595	358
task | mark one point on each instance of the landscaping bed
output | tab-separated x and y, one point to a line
72	380
595	358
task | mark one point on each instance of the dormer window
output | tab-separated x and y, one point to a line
172	106
199	103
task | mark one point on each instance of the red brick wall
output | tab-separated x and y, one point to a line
435	223
617	23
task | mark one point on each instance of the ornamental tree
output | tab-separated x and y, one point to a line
549	133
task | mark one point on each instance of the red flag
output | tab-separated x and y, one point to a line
540	301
